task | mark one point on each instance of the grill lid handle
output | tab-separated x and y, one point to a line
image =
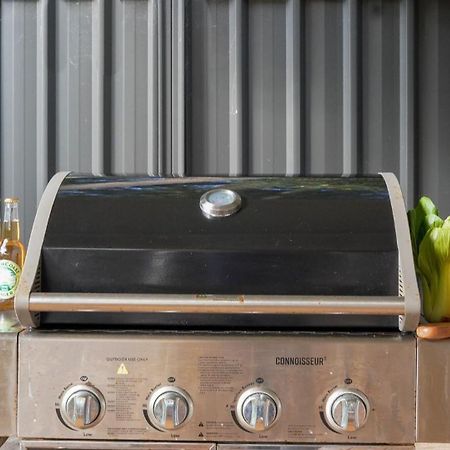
216	304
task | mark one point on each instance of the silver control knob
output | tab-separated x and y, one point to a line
257	409
347	410
169	408
82	407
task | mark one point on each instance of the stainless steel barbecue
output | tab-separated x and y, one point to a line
243	313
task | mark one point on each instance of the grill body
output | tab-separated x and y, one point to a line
283	326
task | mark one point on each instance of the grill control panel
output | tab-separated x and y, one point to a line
217	388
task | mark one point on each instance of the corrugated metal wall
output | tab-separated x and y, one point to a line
225	87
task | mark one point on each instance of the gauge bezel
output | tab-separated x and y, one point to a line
212	210
330	403
164	390
243	398
80	388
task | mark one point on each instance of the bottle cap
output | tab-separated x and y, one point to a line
11	200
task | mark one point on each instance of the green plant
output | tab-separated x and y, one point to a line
430	236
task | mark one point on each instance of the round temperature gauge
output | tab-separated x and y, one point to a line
220	203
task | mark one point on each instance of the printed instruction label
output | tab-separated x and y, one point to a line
9	279
218	373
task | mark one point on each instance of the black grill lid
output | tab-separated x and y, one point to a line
304	236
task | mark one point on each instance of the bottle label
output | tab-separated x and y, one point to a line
9	279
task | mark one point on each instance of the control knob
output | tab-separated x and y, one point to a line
346	410
82	407
169	408
257	409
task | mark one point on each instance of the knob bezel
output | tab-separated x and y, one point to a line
82	388
243	398
155	396
335	395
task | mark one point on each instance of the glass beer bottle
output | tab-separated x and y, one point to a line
12	254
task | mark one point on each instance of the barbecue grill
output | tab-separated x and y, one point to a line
243	313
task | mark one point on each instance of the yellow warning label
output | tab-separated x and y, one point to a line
122	370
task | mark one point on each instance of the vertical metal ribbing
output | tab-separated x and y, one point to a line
350	87
68	112
128	87
14	133
72	78
236	81
152	88
42	98
160	87
98	91
407	100
9	53
19	108
130	81
293	88
213	163
178	110
167	97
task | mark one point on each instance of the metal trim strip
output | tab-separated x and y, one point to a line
406	91
98	89
114	445
32	260
178	88
42	97
294	68
153	70
236	68
350	79
410	319
310	447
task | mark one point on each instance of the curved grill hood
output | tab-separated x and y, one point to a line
291	237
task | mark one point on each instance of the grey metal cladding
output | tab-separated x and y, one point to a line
197	87
20	108
380	82
73	84
433	101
